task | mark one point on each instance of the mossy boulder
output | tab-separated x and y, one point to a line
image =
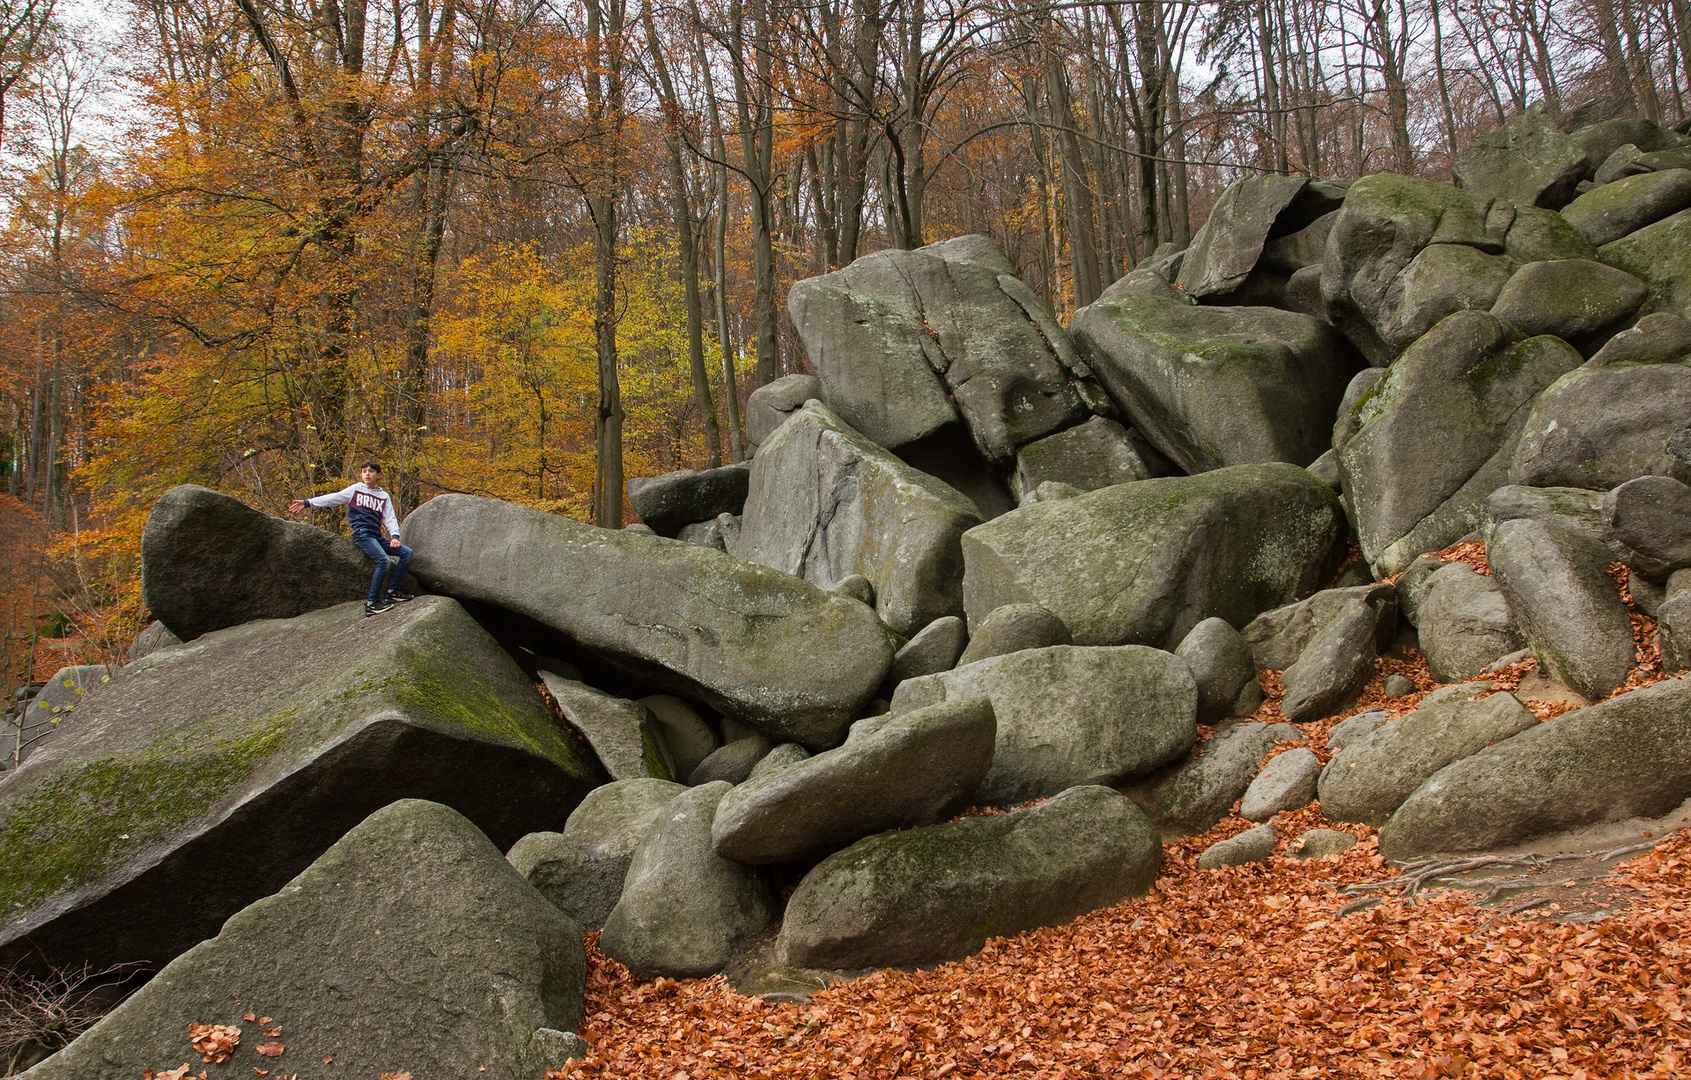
1607	213
1624	758
1660	254
756	644
911	770
1143	563
1212	387
1201	792
1421	450
623	734
905	342
826	503
359	956
1070	715
1442	280
1580	301
1099	453
1544	235
924	896
1603	424
1372	776
1386	222
1228	247
209	561
205	776
1527	161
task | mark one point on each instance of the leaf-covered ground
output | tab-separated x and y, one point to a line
1239	972
1245	972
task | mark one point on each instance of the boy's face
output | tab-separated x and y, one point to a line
370	477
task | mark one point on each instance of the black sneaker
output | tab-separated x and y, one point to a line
399	596
376	608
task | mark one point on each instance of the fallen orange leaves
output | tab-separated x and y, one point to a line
270	1049
214	1042
1239	972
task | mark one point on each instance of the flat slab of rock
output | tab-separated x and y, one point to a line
1287	782
1206	788
1623	758
356	956
666	503
1611	211
1372	776
754	643
205	776
1569	612
826	503
620	731
581	869
1144	563
1211	386
923	896
684	908
1227	248
914	769
1069	715
898	336
1424	447
209	562
1601	425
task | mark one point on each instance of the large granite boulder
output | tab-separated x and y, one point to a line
209	561
1575	509
364	964
1070	715
1288	782
1465	624
668	502
911	770
1661	255
1099	453
1601	138
1013	628
1220	661
204	777
684	909
1607	213
1528	161
153	637
1144	563
1565	604
581	869
826	502
1212	387
1442	280
1372	776
1230	243
756	644
905	341
1603	424
1422	449
1544	236
923	896
621	732
1335	665
1624	758
1387	220
1578	300
1649	520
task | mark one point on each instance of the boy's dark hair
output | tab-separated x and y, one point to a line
371	465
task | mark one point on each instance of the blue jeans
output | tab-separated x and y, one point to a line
378	553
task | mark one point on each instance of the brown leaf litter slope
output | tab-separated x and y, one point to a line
1239	972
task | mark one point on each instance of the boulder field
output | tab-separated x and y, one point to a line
997	607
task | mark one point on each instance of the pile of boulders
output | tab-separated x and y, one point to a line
987	617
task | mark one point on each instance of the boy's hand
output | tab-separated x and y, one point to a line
394	543
296	506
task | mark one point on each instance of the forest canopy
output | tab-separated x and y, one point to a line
530	248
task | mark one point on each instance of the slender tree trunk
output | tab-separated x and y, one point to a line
605	104
757	149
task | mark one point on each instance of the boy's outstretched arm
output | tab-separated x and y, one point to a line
334	498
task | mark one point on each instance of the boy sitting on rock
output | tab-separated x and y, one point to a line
368	509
